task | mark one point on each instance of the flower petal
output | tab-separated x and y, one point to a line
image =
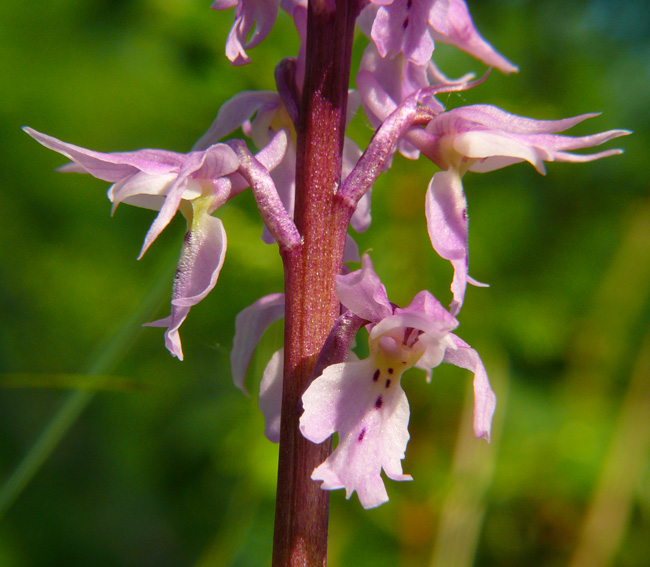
371	417
494	118
250	325
113	166
142	190
202	257
204	251
402	27
270	400
235	112
363	293
249	14
217	161
167	211
452	24
447	223
484	144
485	400
351	250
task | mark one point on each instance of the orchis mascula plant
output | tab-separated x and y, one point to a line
310	182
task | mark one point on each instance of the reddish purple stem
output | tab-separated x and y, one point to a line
302	508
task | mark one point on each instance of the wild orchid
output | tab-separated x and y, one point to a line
196	184
363	400
484	138
311	182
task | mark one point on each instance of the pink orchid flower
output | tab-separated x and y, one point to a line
249	14
363	400
484	138
410	27
196	184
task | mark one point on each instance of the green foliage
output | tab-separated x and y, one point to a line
167	464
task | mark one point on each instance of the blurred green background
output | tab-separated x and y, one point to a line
166	464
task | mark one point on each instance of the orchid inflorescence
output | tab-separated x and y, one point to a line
397	84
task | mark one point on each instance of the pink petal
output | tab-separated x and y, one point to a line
401	27
141	190
270	400
351	250
202	257
485	400
249	14
363	293
218	160
556	143
452	24
492	117
385	83
234	113
484	144
250	325
447	223
114	166
371	417
167	211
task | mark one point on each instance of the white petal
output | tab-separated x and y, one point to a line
368	408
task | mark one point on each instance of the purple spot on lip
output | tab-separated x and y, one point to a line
406	23
375	376
362	434
379	402
390	370
388	383
409	3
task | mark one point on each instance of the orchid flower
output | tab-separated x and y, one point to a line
249	14
484	138
398	61
411	26
386	83
196	184
261	114
254	19
363	400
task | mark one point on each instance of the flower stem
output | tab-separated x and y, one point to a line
302	508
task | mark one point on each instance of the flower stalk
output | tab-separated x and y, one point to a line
302	508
